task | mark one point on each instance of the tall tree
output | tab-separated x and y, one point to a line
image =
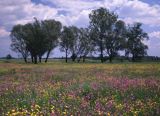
41	41
115	39
101	21
18	41
52	30
134	42
85	43
66	40
35	40
75	46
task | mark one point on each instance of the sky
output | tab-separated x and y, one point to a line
75	12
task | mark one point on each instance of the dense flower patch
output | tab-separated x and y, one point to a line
80	89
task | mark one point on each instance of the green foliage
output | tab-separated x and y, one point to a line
134	41
35	39
105	34
66	41
52	31
101	23
18	40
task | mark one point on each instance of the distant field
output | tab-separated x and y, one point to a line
57	88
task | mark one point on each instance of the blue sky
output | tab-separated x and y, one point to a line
75	12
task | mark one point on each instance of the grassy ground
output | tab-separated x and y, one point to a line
57	88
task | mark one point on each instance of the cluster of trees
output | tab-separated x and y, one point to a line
35	39
105	34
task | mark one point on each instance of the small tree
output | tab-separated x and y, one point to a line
134	42
85	43
8	57
66	40
75	42
81	44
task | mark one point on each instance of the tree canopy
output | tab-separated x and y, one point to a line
101	23
134	41
106	34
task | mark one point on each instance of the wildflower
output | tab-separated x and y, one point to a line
99	113
108	114
52	107
13	111
64	112
66	106
37	106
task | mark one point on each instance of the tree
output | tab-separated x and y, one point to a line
39	37
66	40
18	41
8	57
115	39
74	43
52	30
85	43
101	21
80	43
134	42
35	40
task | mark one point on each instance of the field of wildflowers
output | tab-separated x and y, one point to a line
57	88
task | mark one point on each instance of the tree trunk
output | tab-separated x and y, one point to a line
101	49
32	58
25	59
101	55
73	59
79	59
133	58
110	59
66	56
47	56
121	59
84	58
40	59
35	59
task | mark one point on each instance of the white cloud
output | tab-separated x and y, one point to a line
81	19
155	34
76	6
137	11
76	13
3	32
23	11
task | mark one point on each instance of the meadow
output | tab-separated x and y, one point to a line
78	89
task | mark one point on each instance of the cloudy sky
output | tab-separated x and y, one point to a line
75	12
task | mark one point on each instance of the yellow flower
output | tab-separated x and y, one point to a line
37	106
64	113
13	110
52	107
119	106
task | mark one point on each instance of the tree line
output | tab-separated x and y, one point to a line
106	34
